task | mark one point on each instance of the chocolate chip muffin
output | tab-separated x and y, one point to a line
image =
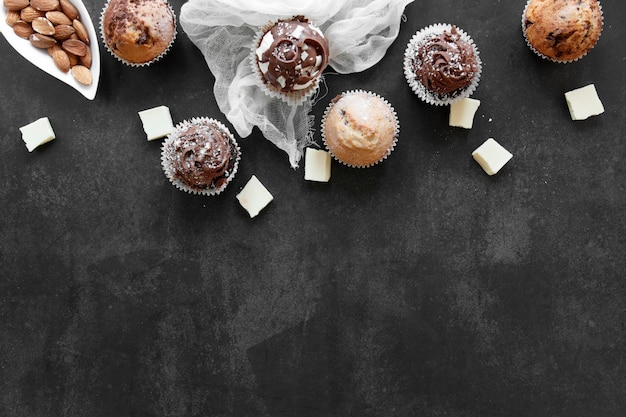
138	32
562	30
360	128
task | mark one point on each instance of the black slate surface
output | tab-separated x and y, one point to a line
419	287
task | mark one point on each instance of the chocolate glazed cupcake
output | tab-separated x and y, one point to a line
442	64
289	57
200	156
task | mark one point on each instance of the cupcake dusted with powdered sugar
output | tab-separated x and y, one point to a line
200	156
442	64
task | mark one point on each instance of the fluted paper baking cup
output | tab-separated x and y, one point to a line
168	152
136	64
416	85
561	61
389	149
293	98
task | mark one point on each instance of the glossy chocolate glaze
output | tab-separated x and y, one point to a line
292	54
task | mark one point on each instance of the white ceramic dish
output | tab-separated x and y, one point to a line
41	59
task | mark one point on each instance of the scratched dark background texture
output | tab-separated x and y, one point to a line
419	287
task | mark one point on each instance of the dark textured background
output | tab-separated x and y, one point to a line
419	287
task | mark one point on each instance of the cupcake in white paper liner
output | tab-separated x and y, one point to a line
360	128
138	33
289	56
201	156
442	64
562	32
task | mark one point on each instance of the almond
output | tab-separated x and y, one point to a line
12	17
81	31
74	60
28	14
60	58
86	59
41	41
82	74
43	26
45	5
15	4
75	46
58	18
63	32
23	29
69	9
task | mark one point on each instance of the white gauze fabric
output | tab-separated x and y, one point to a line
358	31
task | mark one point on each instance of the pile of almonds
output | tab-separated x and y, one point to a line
54	25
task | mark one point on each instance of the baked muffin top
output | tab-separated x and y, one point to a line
562	30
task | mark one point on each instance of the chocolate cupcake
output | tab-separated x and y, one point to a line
562	30
360	128
200	156
289	57
138	32
442	64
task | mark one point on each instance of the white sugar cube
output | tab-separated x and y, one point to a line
316	165
462	112
37	133
584	102
491	156
157	122
254	196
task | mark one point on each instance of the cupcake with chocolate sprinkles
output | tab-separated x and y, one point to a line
289	57
442	64
200	156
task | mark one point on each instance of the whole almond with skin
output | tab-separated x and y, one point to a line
28	14
86	59
69	9
58	18
23	29
15	4
45	5
75	46
74	60
12	17
82	74
43	26
60	58
41	41
63	32
81	31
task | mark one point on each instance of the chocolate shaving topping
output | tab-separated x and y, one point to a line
297	55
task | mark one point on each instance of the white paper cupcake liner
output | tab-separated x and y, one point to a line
292	98
136	64
418	88
391	147
166	161
532	48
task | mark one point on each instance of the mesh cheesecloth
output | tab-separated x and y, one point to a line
359	33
